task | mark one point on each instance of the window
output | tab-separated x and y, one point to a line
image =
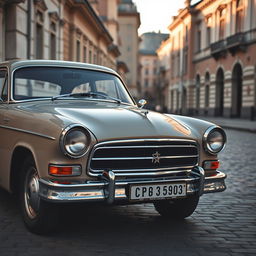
222	24
56	80
3	84
146	83
52	41
90	56
95	58
207	89
239	16
197	93
178	65
78	50
208	36
146	71
39	34
186	34
85	53
172	66
198	39
185	60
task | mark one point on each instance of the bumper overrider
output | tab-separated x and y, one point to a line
113	191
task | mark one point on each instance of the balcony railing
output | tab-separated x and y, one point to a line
218	49
236	42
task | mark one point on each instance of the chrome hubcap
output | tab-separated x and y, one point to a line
31	194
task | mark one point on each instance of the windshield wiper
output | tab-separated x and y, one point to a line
86	94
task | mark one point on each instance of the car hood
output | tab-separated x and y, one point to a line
110	121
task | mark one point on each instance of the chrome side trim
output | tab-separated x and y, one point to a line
28	132
140	158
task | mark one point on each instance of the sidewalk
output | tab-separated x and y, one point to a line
237	124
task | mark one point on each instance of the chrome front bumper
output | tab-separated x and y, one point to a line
110	190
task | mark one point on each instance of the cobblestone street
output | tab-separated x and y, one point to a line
223	224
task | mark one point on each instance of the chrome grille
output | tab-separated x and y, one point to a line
143	157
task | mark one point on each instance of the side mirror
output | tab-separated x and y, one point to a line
142	103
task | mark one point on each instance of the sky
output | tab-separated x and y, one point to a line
157	15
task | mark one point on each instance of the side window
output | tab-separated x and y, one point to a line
3	84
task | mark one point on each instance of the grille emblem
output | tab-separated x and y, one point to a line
156	158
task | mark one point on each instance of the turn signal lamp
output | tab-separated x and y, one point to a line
211	165
57	170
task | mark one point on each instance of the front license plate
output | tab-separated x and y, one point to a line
158	191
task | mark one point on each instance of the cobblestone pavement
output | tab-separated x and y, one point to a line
223	224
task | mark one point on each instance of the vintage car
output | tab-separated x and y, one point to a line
71	132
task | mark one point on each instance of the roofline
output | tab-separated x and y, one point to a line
13	64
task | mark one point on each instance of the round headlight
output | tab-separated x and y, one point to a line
214	139
74	141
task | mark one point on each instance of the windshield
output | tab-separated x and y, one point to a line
51	82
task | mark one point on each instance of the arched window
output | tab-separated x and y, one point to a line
197	93
207	90
239	15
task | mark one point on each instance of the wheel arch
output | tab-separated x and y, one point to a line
20	153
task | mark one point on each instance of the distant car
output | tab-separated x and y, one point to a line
71	132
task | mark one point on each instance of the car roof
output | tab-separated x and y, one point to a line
13	64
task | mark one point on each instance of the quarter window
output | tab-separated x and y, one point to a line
3	84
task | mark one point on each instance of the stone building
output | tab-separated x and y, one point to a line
31	29
64	30
164	73
148	60
85	37
129	22
213	59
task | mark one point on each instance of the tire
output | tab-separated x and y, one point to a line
178	208
39	216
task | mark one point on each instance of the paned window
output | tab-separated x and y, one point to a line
239	16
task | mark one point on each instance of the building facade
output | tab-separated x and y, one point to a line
150	85
85	38
164	73
64	30
129	22
213	59
31	29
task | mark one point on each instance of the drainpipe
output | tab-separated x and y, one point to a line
29	30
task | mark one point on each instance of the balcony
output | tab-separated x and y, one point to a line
218	49
236	42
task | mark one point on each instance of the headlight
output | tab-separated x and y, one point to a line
74	141
214	139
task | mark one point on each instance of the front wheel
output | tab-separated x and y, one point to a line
178	208
39	216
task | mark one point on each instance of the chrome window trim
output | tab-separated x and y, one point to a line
57	65
141	172
6	68
205	143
